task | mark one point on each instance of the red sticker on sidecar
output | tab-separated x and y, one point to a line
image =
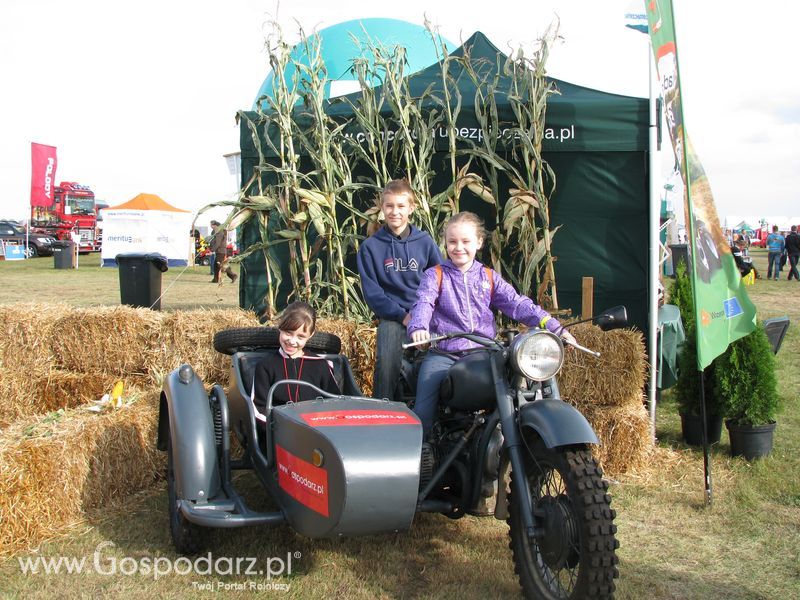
302	481
358	418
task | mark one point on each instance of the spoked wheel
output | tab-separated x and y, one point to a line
572	555
186	536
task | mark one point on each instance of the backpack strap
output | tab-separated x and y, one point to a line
489	276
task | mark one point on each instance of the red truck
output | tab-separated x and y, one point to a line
73	209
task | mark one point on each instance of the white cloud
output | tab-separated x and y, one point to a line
143	98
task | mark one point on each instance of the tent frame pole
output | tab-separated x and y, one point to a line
654	262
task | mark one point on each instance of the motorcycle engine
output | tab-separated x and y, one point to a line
427	464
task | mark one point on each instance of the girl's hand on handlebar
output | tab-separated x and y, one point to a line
420	335
568	337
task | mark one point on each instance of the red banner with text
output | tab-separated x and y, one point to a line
43	174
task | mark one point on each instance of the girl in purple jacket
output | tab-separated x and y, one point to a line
460	295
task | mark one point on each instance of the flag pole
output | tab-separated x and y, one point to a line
704	433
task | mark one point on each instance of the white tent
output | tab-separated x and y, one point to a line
146	224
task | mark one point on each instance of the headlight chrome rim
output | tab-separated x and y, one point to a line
548	351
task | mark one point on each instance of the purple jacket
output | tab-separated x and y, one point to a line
465	303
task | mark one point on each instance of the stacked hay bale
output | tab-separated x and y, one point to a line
358	344
54	468
187	337
609	391
58	459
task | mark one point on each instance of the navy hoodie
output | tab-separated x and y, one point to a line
391	269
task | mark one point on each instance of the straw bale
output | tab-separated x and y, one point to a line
117	340
358	344
52	470
187	337
625	438
41	393
25	331
615	379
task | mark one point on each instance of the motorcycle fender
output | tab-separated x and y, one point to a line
557	423
185	416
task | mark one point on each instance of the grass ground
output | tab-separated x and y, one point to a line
672	546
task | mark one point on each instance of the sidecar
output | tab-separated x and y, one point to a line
335	465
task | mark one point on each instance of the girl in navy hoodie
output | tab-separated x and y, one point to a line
391	263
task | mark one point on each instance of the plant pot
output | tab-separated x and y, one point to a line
692	429
750	441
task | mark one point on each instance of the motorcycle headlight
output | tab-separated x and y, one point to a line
537	354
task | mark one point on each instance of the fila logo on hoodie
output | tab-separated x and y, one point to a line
397	264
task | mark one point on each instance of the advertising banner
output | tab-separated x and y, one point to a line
146	231
723	311
43	174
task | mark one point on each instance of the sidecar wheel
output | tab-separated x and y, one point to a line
573	554
230	341
187	537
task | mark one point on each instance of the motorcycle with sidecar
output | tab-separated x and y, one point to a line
342	465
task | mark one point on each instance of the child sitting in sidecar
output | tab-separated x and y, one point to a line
296	325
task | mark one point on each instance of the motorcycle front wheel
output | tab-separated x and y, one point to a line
573	552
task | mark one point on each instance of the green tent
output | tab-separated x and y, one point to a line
596	144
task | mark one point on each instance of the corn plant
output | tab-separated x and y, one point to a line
316	207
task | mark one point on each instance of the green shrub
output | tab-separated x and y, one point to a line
745	382
680	294
687	388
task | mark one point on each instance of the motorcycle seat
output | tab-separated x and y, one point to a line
245	366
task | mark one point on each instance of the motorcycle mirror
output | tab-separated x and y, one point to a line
612	318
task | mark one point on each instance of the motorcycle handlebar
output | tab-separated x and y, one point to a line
486	342
473	337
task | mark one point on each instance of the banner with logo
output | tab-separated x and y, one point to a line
43	174
162	232
723	311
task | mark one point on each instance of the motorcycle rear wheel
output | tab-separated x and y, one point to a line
573	554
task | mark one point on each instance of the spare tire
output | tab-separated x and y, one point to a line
229	341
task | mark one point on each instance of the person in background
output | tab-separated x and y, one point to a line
219	248
775	246
212	259
390	264
793	250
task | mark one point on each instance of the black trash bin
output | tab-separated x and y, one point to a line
680	252
64	254
140	279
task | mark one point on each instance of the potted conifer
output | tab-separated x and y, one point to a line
687	388
746	387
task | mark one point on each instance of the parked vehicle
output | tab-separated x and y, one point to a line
38	244
73	209
350	465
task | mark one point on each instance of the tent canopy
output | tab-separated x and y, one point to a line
146	202
595	142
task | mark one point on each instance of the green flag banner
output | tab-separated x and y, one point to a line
723	312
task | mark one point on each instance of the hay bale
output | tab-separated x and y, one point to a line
52	470
42	393
626	441
115	340
187	337
358	344
25	336
615	379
